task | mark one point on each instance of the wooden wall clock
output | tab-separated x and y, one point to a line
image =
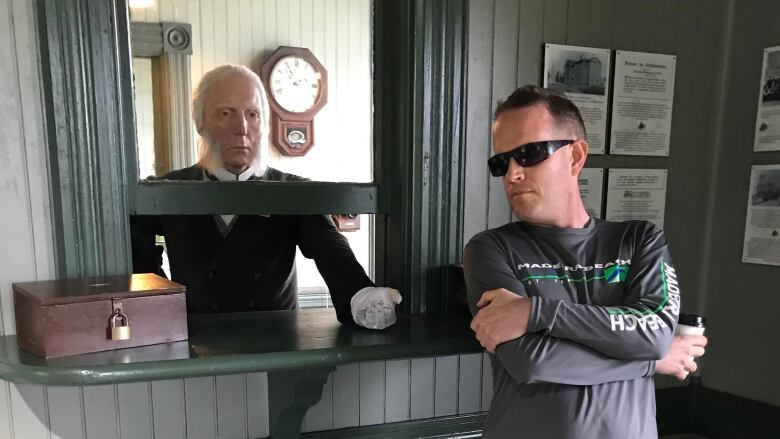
297	85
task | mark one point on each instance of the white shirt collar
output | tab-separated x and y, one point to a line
223	174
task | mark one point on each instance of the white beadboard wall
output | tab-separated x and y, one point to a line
338	32
226	406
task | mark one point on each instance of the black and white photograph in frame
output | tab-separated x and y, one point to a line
582	75
767	136
761	244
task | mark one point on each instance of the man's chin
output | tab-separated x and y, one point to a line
234	165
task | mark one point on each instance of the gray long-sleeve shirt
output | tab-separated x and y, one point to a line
604	305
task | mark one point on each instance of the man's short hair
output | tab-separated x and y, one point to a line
565	114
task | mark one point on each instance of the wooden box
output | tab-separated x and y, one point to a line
73	316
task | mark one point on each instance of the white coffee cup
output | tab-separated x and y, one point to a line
690	324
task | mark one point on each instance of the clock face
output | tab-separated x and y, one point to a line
295	84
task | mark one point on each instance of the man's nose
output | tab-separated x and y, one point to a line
515	171
240	124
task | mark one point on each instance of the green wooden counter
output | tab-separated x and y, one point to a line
298	349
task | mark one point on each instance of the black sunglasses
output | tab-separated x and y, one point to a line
525	155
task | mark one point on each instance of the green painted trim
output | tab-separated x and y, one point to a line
420	62
82	373
227	344
254	197
420	67
85	70
290	395
447	426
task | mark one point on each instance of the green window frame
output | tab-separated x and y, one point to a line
419	132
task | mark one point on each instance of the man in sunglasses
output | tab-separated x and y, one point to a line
579	313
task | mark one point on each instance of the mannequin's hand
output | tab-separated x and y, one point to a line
374	307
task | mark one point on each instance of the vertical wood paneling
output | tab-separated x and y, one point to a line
666	26
707	56
600	30
505	17
752	26
397	390
135	410
624	24
294	16
207	30
578	22
66	412
9	154
6	429
469	383
372	393
623	32
200	407
556	16
487	381
646	26
320	415
257	404
153	13
194	18
530	43
100	412
168	409
246	47
283	17
220	35
307	24
446	386
231	406
24	217
270	35
142	87
30	412
422	389
479	103
37	180
234	32
346	396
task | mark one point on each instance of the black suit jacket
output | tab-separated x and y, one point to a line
253	267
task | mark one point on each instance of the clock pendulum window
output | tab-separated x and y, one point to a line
297	85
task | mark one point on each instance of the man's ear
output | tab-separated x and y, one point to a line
579	153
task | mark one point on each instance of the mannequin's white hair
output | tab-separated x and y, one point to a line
208	151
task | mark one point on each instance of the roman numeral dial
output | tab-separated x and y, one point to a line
295	84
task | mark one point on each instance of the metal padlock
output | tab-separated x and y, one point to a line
120	326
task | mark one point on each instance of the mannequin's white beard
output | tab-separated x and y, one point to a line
210	157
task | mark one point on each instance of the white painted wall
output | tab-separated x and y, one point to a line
338	32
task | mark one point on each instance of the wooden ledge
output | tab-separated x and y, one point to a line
223	344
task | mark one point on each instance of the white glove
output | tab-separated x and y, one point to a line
374	307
